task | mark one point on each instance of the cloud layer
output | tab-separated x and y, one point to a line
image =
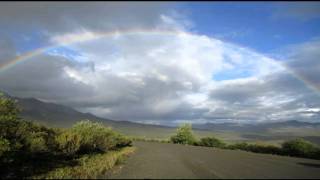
157	77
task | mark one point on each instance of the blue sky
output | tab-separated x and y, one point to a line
266	27
263	26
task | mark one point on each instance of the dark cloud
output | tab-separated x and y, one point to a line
7	50
305	63
42	77
58	17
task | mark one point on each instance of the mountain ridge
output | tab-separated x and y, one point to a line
57	115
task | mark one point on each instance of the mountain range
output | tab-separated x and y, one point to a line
56	115
256	127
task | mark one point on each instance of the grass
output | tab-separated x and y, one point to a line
89	166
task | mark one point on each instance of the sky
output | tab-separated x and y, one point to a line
166	62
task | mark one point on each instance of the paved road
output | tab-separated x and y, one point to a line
159	160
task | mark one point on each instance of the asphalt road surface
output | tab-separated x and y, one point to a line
160	160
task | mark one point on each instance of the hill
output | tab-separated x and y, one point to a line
56	115
257	127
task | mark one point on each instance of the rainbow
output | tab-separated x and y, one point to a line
88	37
98	35
309	84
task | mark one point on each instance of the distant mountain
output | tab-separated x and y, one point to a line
259	127
55	115
50	113
63	116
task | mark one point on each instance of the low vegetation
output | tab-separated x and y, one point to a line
210	142
296	147
89	166
184	135
257	148
150	140
301	148
29	149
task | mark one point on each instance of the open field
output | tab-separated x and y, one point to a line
273	138
160	160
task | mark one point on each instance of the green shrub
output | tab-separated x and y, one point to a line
240	146
122	141
37	144
8	108
68	142
27	147
34	137
211	142
266	149
184	135
151	140
164	141
257	148
4	146
27	136
9	132
89	166
297	147
95	136
301	148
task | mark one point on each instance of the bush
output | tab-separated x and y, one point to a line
151	140
241	146
266	149
8	108
164	141
37	143
184	135
68	142
301	148
89	166
122	141
87	137
211	142
27	147
96	137
9	129
4	146
27	136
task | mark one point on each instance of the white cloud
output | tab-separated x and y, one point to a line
78	37
160	73
74	74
